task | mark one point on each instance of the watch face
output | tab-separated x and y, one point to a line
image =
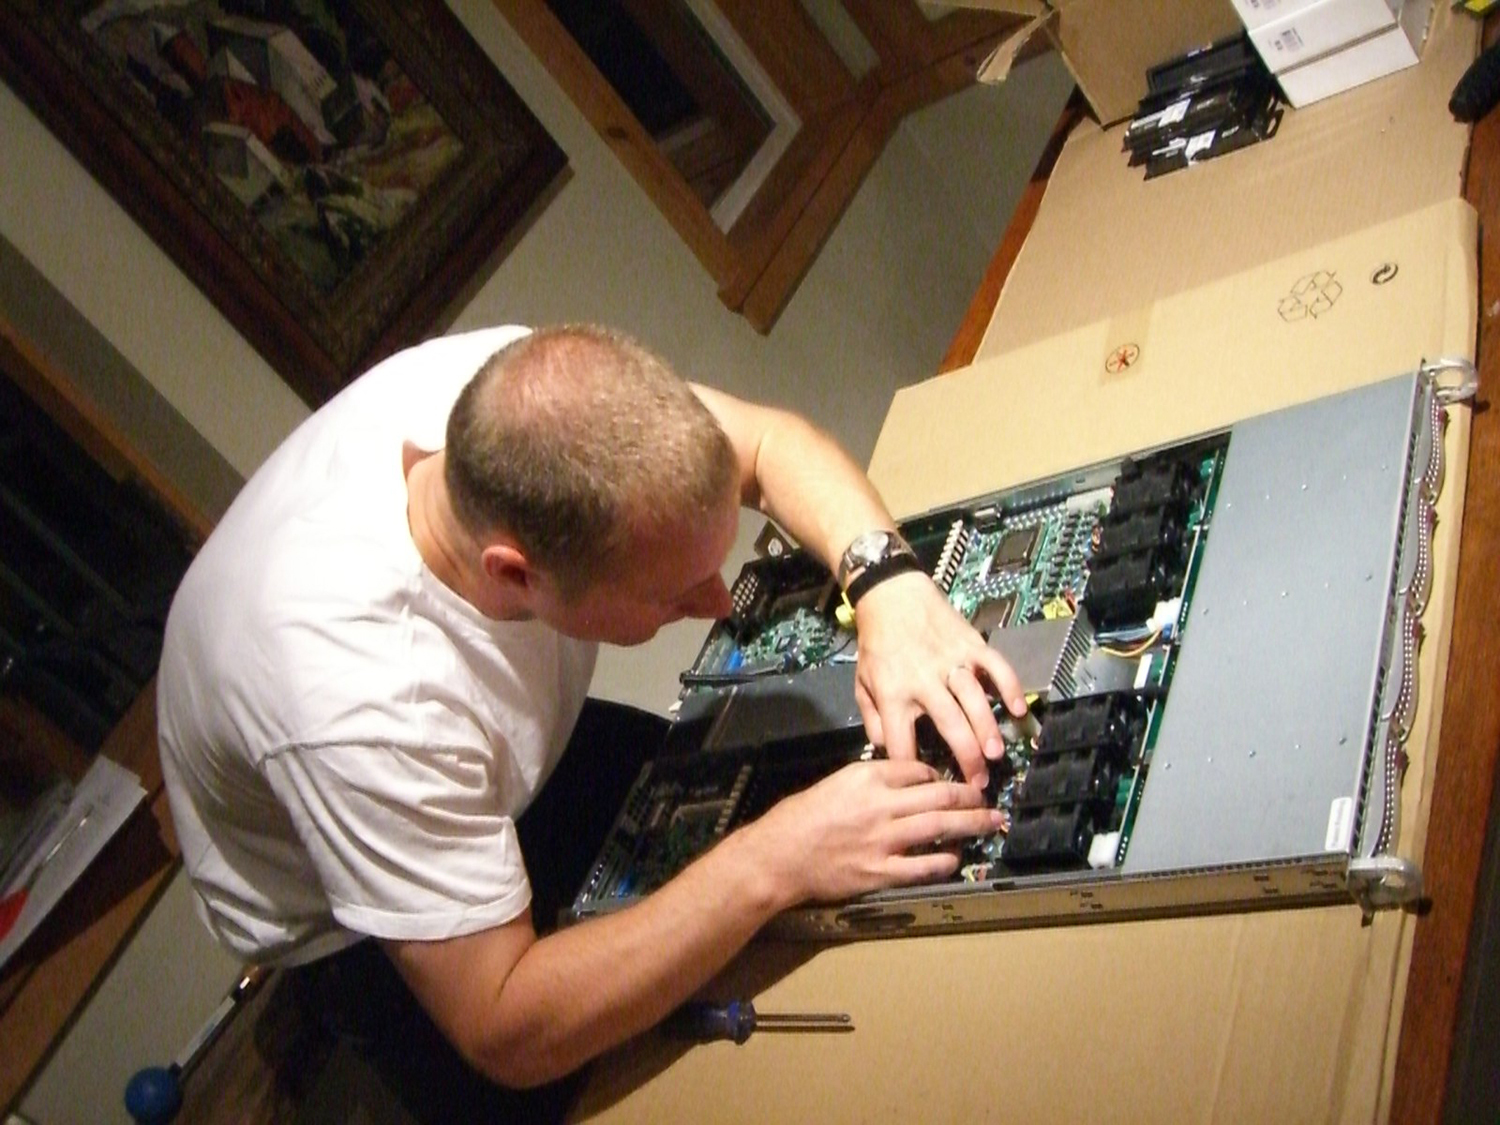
870	548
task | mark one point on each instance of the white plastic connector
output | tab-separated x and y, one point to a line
1165	616
1103	849
1088	501
1143	672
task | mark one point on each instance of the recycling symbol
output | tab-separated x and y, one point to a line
1312	296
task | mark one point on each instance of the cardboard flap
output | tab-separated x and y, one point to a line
1324	319
996	68
1110	46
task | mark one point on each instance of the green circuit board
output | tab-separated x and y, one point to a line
1021	570
1009	572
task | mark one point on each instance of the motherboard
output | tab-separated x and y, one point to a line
1082	584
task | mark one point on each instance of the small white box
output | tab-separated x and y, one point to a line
1258	13
1321	28
1362	61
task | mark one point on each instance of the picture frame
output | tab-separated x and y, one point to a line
332	176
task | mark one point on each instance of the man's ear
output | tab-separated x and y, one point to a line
411	453
506	565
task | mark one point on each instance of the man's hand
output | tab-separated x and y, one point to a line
526	1010
852	832
918	655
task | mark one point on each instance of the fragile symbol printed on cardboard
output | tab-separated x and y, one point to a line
1122	359
1312	296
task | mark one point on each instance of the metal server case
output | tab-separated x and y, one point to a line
1266	712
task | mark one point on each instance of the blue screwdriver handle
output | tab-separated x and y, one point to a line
707	1023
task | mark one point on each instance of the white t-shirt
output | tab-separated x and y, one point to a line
346	742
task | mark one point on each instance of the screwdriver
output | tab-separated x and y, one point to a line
154	1095
705	1022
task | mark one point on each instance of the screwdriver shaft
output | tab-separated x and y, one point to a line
803	1021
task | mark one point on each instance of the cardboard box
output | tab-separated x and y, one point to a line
1257	13
1109	45
1365	60
1321	28
1346	164
1362	62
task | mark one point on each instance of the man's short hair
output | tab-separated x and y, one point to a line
576	439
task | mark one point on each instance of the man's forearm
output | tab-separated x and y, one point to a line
583	990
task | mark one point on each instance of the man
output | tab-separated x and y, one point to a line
374	663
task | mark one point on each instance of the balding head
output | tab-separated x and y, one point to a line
577	441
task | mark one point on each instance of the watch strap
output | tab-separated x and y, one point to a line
877	572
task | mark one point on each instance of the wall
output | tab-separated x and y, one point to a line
876	312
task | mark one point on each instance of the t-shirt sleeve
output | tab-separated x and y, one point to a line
408	842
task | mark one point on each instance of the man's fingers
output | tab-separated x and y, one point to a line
912	798
951	824
957	729
1003	677
924	830
975	701
899	730
916	790
903	773
926	867
874	729
880	824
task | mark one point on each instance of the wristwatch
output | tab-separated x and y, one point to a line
871	559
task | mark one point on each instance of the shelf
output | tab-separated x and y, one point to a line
108	590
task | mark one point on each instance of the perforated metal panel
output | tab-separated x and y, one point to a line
1265	738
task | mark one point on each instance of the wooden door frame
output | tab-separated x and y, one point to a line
846	122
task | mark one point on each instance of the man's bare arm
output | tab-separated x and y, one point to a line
526	1010
917	655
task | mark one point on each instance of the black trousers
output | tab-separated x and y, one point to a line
359	996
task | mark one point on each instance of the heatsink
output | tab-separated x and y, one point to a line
1045	654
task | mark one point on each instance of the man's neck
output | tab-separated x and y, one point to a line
441	541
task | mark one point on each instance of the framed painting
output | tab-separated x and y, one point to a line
333	174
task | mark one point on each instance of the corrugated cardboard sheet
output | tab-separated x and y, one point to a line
1288	1016
1280	1017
